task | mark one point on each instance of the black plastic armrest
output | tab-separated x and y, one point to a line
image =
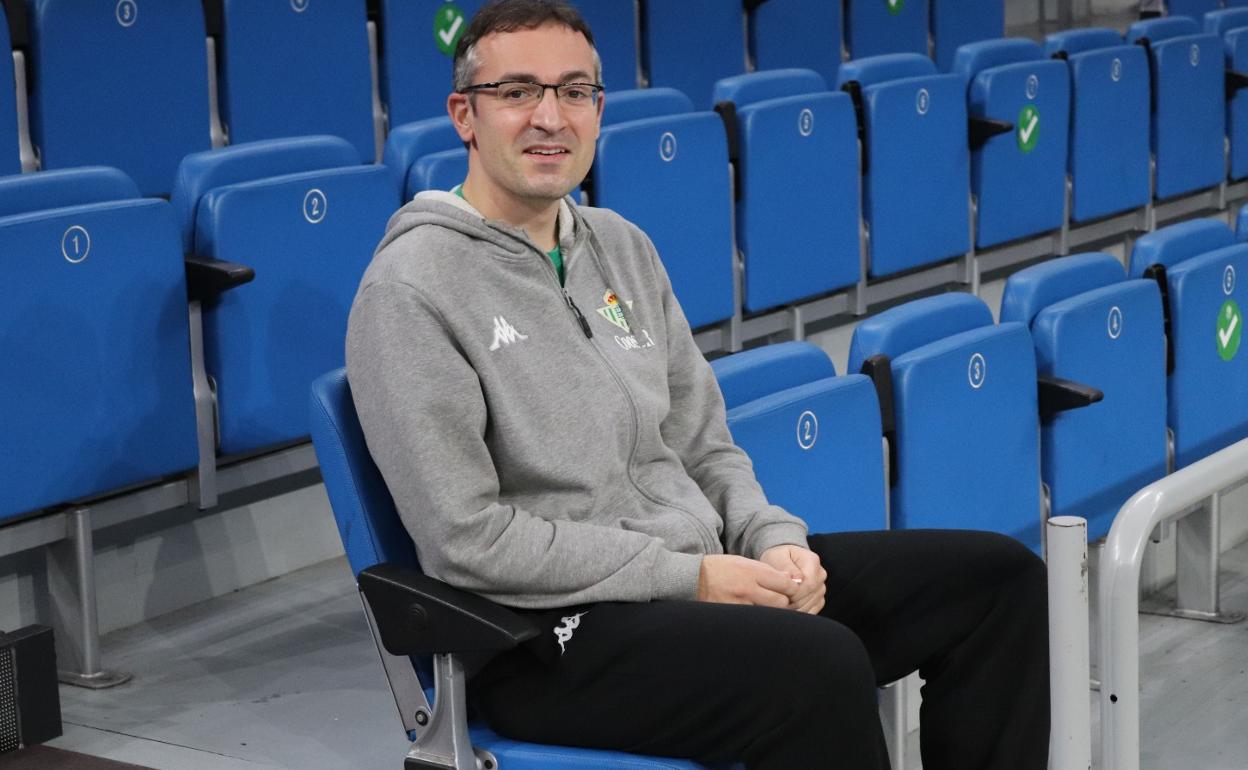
1235	81
1058	395
880	369
752	5
420	615
207	278
980	130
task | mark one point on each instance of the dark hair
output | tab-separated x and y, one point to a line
509	16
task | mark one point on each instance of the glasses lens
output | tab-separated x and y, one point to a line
519	92
578	94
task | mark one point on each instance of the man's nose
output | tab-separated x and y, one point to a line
548	114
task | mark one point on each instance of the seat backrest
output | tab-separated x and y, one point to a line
797	246
1223	21
1189	117
1110	123
1236	47
883	68
743	90
1090	325
1178	242
119	84
408	143
309	236
1207	298
967	432
797	33
294	69
916	324
715	29
753	374
873	27
417	41
915	150
639	103
958	22
817	452
436	171
669	175
368	522
1192	9
24	193
1018	178
615	27
93	316
10	151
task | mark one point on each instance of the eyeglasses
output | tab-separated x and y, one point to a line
523	93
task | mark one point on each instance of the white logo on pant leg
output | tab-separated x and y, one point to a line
505	333
564	632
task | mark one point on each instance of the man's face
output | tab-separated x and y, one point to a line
536	153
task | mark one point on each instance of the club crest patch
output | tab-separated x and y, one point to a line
612	310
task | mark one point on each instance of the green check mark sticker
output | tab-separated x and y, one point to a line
1230	327
448	27
1028	132
895	6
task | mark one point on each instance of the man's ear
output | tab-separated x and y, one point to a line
459	107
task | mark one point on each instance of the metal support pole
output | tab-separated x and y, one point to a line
893	716
1119	588
71	584
1071	738
1197	560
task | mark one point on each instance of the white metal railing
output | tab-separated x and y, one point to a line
1120	585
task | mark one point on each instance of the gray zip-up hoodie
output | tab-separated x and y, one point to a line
547	446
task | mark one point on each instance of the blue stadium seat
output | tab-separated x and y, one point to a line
118	84
94	317
373	536
10	153
1232	27
1192	9
874	27
417	40
1201	270
964	405
1189	117
309	234
437	171
957	22
1109	145
761	371
670	176
294	69
915	136
817	452
792	134
638	103
409	143
1091	325
1018	177
614	24
797	33
713	28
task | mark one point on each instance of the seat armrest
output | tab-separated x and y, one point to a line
420	615
207	278
1058	395
980	130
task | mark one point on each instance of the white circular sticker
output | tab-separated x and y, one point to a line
977	371
76	244
127	13
923	101
1195	55
1228	280
1115	70
1033	86
299	5
807	429
1114	324
314	206
667	146
806	122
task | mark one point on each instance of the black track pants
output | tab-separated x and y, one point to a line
780	690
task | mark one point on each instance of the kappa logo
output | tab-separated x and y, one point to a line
564	632
505	333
